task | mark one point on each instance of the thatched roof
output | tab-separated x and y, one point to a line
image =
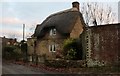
63	22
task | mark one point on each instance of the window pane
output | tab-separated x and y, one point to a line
53	48
50	48
51	32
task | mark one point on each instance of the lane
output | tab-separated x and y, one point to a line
9	68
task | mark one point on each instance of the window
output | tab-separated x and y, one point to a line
52	32
52	48
8	43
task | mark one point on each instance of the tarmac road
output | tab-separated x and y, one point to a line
10	68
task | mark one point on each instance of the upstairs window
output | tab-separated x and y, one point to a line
52	32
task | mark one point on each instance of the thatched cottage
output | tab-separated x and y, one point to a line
51	33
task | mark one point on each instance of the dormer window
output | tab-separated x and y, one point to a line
53	32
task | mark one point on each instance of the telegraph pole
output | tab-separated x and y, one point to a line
23	31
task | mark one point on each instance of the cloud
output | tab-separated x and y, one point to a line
15	33
12	27
17	21
11	20
11	32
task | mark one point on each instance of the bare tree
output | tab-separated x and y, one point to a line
95	13
31	31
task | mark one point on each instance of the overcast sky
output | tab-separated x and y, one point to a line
14	14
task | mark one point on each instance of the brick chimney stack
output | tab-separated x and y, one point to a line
75	5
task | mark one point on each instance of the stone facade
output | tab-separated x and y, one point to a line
102	45
31	45
42	48
77	30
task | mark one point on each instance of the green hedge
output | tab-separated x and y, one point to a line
71	49
11	52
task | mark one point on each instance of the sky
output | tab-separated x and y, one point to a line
13	14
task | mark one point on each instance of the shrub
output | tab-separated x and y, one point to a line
11	52
70	49
71	54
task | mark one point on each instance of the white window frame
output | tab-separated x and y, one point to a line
30	58
52	48
53	32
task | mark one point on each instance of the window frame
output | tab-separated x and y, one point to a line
52	32
52	48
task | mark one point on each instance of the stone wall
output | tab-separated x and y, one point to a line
31	45
103	45
42	48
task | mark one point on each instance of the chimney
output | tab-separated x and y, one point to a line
75	5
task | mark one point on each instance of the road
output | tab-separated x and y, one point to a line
10	68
